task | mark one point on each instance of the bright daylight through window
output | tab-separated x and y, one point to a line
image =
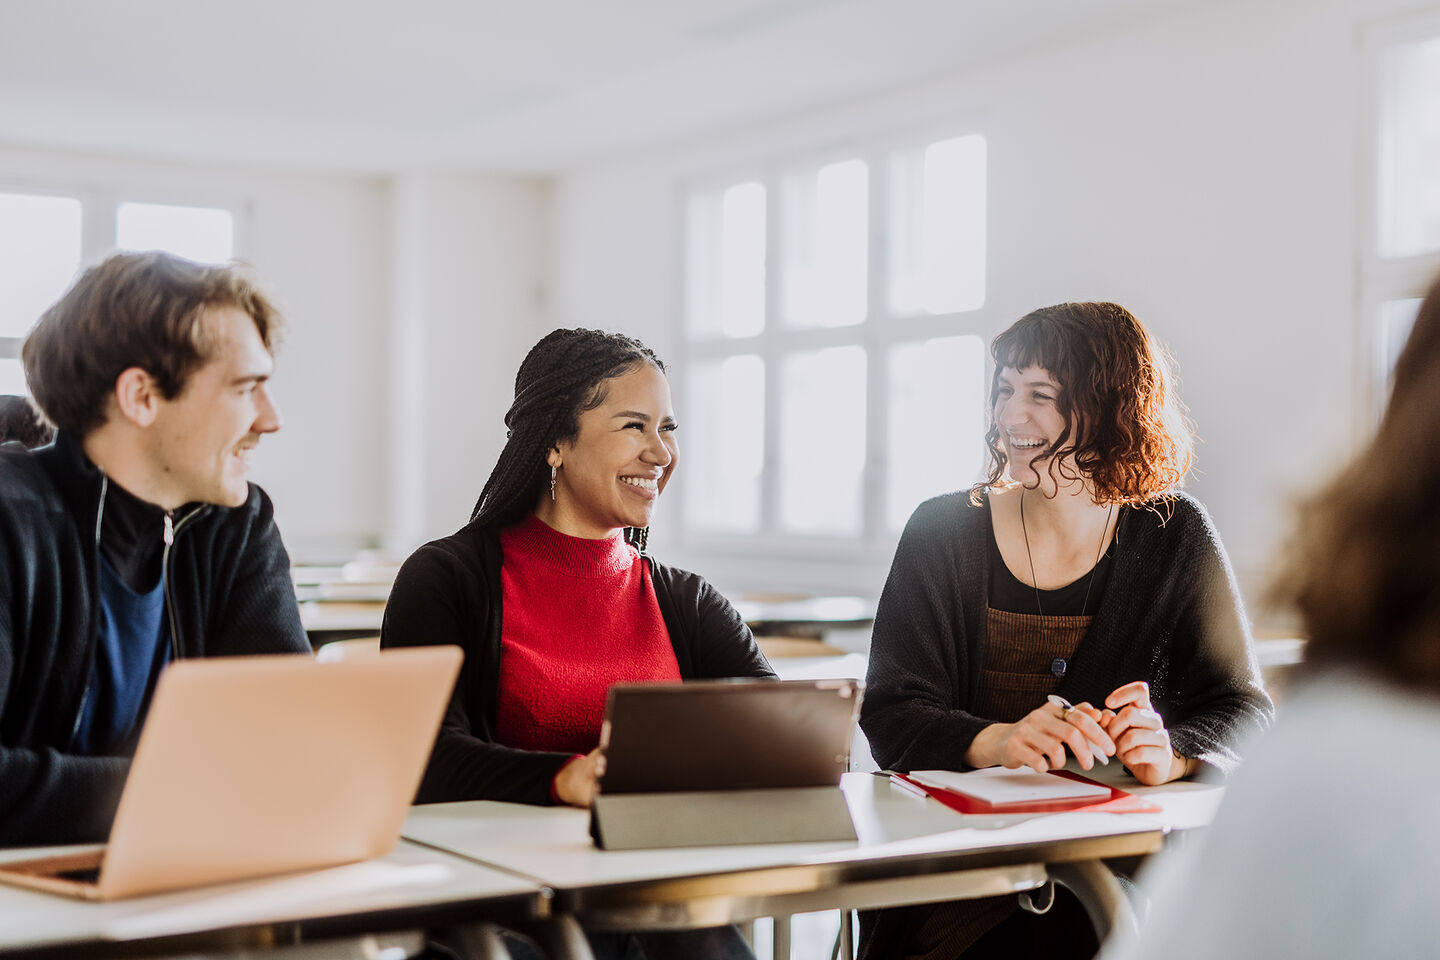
43	245
834	343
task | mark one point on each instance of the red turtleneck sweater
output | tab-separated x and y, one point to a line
578	615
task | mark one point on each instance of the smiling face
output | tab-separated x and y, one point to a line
1028	416
611	473
200	442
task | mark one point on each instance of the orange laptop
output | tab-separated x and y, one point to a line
249	766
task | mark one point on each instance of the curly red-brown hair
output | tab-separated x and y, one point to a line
1125	429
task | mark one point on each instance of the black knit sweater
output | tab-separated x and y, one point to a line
1170	615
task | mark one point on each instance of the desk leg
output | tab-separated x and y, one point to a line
1101	895
844	948
481	941
562	938
780	940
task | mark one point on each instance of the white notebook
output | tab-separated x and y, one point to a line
997	785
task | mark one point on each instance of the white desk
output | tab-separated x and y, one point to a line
413	888
910	850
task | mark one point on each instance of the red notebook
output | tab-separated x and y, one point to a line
1119	800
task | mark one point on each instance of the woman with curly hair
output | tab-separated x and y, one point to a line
1076	569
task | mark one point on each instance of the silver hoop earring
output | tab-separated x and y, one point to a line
552	483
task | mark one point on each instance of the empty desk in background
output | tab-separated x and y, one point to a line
412	889
335	610
911	850
805	616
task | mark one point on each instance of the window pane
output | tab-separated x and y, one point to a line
826	244
722	444
1409	162
822	441
936	424
12	378
1396	319
196	233
726	284
939	227
39	256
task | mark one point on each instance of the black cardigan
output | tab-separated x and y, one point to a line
1170	615
448	592
228	591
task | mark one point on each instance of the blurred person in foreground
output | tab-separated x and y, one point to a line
1326	843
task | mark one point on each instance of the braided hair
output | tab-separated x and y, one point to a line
561	377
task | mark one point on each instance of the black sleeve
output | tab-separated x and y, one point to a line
911	686
438	600
260	614
48	797
710	638
726	646
1219	699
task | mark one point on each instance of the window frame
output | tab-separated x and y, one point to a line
99	207
1382	278
882	329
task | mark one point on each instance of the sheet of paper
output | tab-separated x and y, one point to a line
997	785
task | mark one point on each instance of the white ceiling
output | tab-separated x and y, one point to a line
523	85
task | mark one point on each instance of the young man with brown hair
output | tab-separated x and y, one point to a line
134	538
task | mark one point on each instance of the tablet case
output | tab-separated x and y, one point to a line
723	763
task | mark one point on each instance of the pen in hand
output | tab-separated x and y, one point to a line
1066	707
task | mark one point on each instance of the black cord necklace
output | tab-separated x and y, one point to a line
1035	584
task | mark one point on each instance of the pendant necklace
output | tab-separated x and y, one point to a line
1035	584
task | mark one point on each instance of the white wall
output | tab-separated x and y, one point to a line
1200	168
469	254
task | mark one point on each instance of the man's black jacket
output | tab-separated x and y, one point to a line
228	592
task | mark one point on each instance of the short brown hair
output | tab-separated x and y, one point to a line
133	310
1124	425
1363	560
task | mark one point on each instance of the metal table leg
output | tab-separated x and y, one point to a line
1101	894
562	938
780	939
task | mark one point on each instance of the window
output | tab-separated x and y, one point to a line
39	255
1401	248
1396	319
46	238
196	233
834	363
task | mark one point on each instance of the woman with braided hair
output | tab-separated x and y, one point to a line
548	589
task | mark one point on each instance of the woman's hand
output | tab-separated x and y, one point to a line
1040	738
578	781
1142	743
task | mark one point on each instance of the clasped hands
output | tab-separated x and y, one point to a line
1128	728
